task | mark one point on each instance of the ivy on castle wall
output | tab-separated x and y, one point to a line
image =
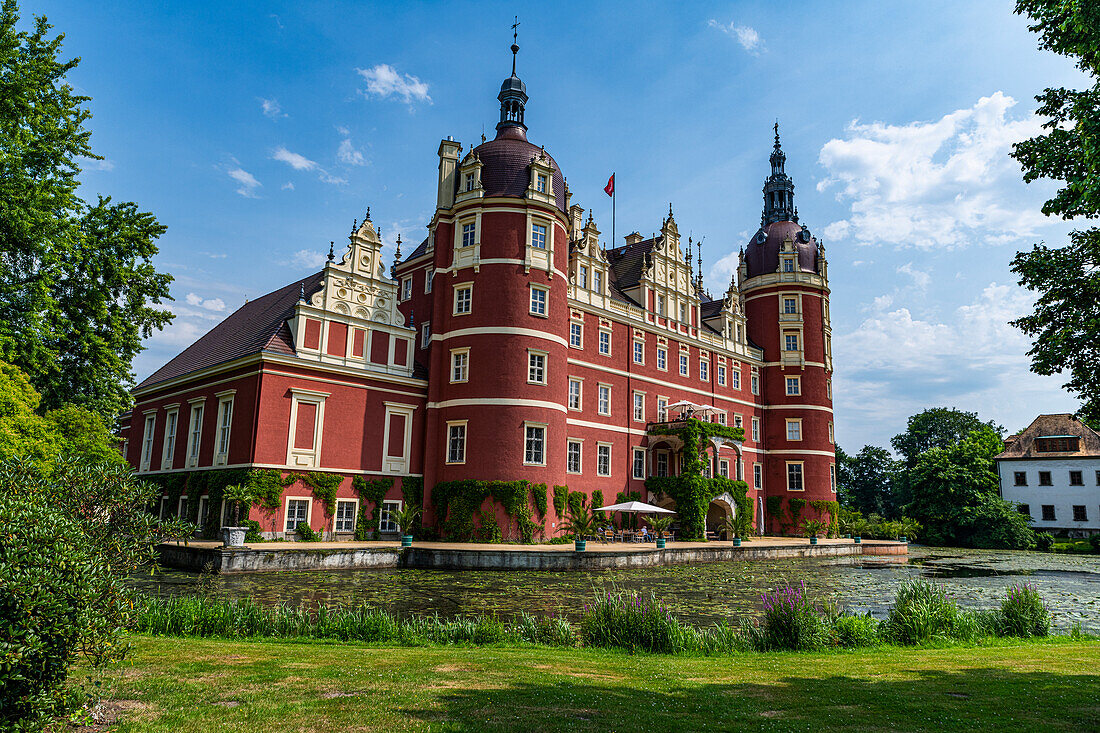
458	504
539	493
692	491
371	493
561	496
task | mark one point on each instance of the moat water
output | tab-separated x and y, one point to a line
701	594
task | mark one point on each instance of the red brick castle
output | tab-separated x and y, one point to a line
510	345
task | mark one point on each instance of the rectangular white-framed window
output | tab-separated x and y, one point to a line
683	313
794	476
721	418
538	236
539	298
790	342
661	463
721	374
346	512
194	433
387	518
429	275
735	377
534	444
597	281
754	383
639	407
638	463
790	305
460	365
576	335
168	450
540	183
296	511
662	358
757	476
456	441
683	365
738	421
660	305
788	264
536	367
662	409
425	334
603	404
794	386
464	299
704	371
582	276
147	440
406	288
225	428
575	386
639	352
605	343
794	428
469	234
204	512
573	456
471	181
829	388
832	477
831	439
307	419
756	430
724	467
603	459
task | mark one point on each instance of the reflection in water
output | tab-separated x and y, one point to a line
700	594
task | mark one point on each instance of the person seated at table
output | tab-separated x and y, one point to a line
643	535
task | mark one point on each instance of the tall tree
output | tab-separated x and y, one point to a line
77	289
868	480
1065	324
936	427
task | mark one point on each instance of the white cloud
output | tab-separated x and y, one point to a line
348	155
894	365
747	36
210	304
288	186
272	109
946	183
921	278
384	81
307	259
93	164
248	182
294	160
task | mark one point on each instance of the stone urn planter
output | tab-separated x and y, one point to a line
233	536
406	540
661	543
579	545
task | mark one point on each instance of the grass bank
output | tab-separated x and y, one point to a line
171	684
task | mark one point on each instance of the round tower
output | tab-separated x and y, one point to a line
499	316
783	278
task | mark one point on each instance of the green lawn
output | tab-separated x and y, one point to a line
211	685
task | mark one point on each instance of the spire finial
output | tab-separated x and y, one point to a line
777	132
670	210
515	43
331	251
301	291
354	226
367	217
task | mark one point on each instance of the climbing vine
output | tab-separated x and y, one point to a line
372	492
597	499
774	505
561	495
539	494
832	508
692	491
457	503
795	505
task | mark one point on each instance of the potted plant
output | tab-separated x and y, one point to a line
812	528
660	526
237	494
580	524
406	517
732	526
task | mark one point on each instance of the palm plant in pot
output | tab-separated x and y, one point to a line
660	526
580	524
238	495
406	517
813	528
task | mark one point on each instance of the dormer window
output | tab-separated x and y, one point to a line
468	235
582	276
788	264
538	236
471	181
540	183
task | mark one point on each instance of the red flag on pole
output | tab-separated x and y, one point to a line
609	189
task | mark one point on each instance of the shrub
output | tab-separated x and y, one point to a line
922	612
630	622
854	631
790	620
1094	541
1044	541
253	533
306	534
1024	613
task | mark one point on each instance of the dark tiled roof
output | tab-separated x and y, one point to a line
418	252
1053	425
710	309
504	162
259	325
628	262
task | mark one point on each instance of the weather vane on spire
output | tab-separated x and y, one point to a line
515	43
777	133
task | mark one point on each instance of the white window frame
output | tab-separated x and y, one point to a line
604	341
662	409
194	430
832	438
797	423
735	377
226	404
460	363
758	476
603	450
704	370
148	434
534	235
792	301
429	275
539	306
662	359
569	444
755	430
171	429
638	406
302	457
385	516
801	475
460	288
579	394
685	365
425	334
635	452
604	389
582	276
724	467
537	366
406	288
754	383
738	420
721	375
451	459
286	512
639	351
354	516
467	228
597	281
832	477
527	425
576	328
660	305
796	381
787	336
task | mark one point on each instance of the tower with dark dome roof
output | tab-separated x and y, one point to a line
784	281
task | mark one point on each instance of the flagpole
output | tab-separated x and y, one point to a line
613	192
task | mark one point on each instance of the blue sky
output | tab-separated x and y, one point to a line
258	131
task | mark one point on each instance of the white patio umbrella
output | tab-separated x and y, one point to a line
637	507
